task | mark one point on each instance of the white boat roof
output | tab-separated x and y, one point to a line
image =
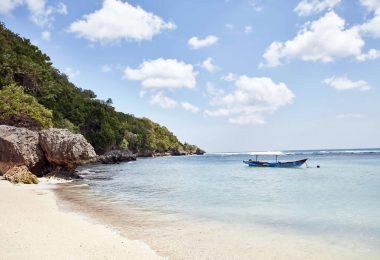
267	153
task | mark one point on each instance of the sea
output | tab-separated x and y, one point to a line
215	207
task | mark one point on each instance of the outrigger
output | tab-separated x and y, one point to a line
257	163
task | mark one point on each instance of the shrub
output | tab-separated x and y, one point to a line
14	102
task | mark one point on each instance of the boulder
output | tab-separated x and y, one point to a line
20	174
20	146
65	150
199	151
178	151
116	156
146	154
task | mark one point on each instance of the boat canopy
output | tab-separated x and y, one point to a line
267	153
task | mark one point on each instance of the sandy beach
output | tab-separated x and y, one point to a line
32	227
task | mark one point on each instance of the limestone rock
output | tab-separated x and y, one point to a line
116	156
199	151
52	151
65	150
20	174
178	151
20	146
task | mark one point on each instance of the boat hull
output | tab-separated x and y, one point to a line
276	164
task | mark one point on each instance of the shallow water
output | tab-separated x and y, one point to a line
215	207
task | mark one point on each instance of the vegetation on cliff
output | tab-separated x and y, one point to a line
16	105
47	98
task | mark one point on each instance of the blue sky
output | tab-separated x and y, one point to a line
226	75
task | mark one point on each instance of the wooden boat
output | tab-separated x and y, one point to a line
257	163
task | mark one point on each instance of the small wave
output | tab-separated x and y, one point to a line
79	185
223	154
305	152
337	152
53	180
84	172
98	178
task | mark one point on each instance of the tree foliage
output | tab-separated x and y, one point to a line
78	110
15	103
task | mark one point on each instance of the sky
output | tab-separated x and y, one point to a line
248	75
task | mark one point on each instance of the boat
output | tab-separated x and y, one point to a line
277	163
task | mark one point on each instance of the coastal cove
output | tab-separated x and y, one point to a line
214	207
191	130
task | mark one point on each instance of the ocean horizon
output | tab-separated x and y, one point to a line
214	206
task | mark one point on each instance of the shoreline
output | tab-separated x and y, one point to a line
180	236
33	227
35	224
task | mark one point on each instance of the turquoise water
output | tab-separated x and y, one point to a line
339	200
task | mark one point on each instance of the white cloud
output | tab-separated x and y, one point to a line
196	43
163	101
251	100
163	74
61	9
255	4
248	29
71	73
229	77
46	35
106	68
189	107
372	27
118	20
343	83
307	7
372	5
40	13
212	90
229	26
349	115
322	40
208	65
159	75
7	6
372	54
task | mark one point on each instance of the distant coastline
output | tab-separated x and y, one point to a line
308	151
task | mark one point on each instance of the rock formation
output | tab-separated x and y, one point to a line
116	156
20	146
52	151
178	151
20	174
199	151
65	150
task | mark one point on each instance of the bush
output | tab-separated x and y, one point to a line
14	102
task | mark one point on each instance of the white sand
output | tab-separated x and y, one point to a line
32	227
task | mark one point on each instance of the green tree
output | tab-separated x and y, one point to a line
14	102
